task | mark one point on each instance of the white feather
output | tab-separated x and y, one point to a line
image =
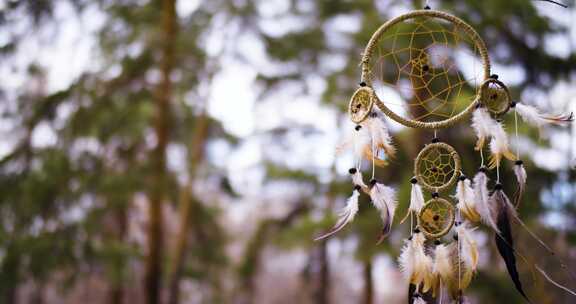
406	260
416	198
521	175
415	265
384	199
357	141
482	123
534	117
482	204
499	142
419	300
378	131
345	216
442	263
467	200
469	252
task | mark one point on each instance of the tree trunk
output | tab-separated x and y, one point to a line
368	283
153	274
196	156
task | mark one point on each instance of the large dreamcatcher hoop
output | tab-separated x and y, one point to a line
423	69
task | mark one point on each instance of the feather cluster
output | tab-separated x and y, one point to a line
384	199
415	265
380	135
443	267
482	200
486	127
481	123
358	140
416	199
499	146
345	216
533	116
466	200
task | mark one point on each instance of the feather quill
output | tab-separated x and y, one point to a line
384	199
482	200
345	216
481	123
504	241
466	200
533	116
499	146
521	176
416	199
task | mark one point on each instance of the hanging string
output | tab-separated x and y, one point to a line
498	173
481	157
373	156
517	139
459	258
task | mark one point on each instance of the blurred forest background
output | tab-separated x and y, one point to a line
163	151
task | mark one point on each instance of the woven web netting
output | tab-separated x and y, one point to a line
436	166
433	65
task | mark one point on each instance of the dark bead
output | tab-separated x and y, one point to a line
417	230
373	114
373	182
358	127
436	217
410	238
519	162
513	104
413	180
352	171
462	178
494	76
425	68
362	84
482	169
498	186
427	7
437	242
435	195
455	237
435	140
357	187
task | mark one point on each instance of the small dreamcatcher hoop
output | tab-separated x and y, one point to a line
361	104
436	218
437	167
495	96
424	70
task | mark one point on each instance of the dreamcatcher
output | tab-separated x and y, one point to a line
430	70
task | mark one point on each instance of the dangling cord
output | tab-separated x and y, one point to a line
411	223
373	156
459	258
498	174
517	140
482	157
